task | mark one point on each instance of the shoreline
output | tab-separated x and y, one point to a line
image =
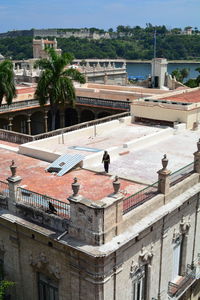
136	61
169	61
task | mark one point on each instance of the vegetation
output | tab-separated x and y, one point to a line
126	42
4	285
55	83
7	85
180	74
194	82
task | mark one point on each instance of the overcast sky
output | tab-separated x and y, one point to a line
27	14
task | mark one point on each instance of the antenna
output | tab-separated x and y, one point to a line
154	47
154	56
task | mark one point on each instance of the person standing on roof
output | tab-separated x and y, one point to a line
106	161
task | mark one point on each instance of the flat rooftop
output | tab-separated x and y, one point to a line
97	140
135	150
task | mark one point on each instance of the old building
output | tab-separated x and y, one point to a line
135	236
40	47
180	106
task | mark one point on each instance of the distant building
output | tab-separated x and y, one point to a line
188	30
40	47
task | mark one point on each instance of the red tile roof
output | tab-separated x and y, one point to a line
190	97
26	90
93	186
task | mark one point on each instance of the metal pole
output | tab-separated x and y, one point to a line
154	56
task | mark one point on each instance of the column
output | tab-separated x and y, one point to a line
13	183
197	158
62	118
29	124
45	121
105	78
10	123
96	222
163	177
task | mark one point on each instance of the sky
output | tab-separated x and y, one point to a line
105	14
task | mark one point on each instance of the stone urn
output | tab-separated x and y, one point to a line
75	187
116	185
13	168
198	145
164	162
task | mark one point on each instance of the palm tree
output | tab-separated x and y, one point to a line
55	83
7	85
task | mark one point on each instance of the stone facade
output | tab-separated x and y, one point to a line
40	47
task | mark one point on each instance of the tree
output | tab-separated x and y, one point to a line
198	77
7	85
55	83
180	74
195	81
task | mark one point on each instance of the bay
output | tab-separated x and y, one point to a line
144	69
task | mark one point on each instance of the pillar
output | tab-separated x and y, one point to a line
29	124
45	121
163	177
62	118
10	123
197	158
96	222
105	78
13	183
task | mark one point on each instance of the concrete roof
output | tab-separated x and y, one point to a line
135	150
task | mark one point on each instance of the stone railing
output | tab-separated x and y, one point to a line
124	105
15	137
17	105
80	126
21	138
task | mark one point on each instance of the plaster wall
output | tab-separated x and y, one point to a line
159	112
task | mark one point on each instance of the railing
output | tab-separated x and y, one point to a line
125	105
140	197
80	126
181	174
18	105
15	137
4	190
46	203
79	100
20	138
175	290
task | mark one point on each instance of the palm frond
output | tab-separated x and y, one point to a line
7	85
74	74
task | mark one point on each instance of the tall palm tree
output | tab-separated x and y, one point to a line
55	83
7	84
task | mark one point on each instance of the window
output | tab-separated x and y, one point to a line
48	289
139	283
177	257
